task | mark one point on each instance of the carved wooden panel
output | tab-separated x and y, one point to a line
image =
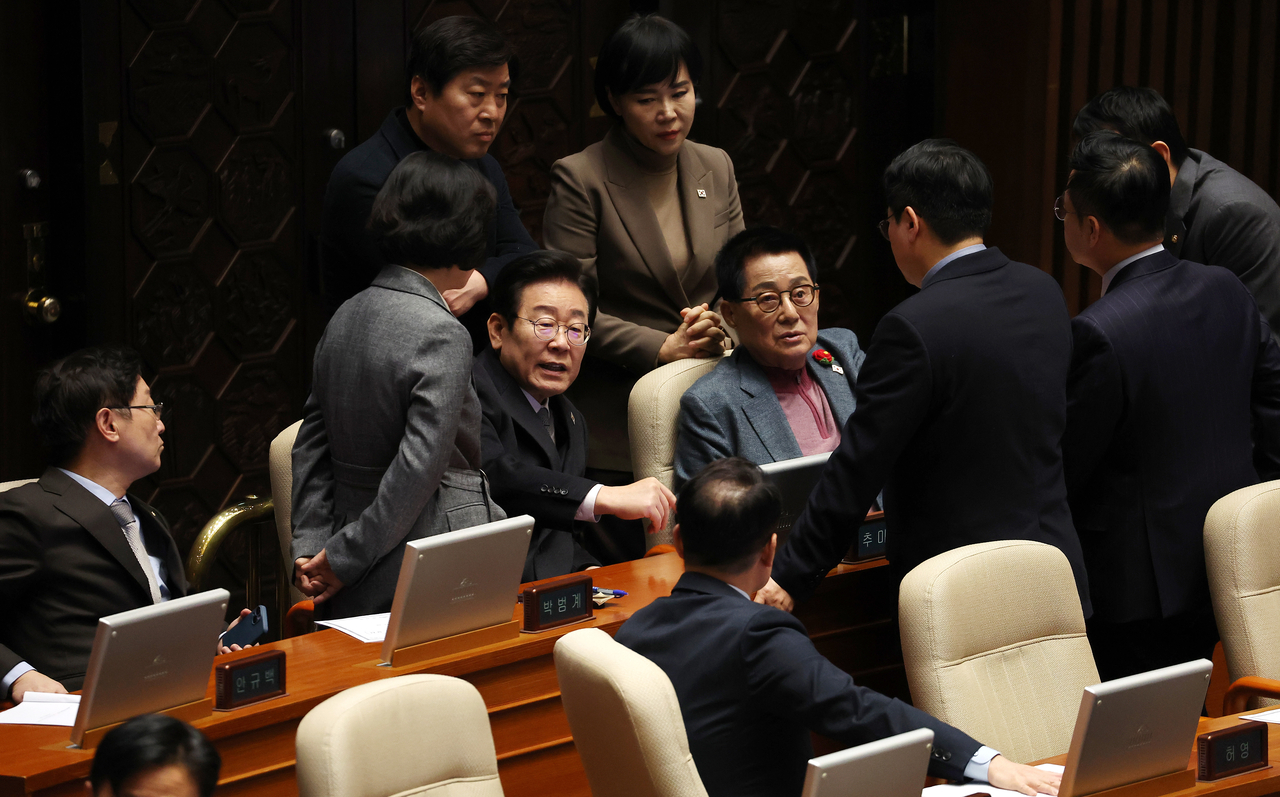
210	161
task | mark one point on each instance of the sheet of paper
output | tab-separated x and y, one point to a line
366	628
43	708
1267	716
976	787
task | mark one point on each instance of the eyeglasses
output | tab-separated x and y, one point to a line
1060	211
158	409
547	329
884	227
801	296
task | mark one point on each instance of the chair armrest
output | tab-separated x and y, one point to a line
205	549
1238	694
300	620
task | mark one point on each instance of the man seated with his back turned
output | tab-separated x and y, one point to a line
750	683
533	440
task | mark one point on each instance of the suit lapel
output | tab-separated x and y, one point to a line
518	407
631	201
84	508
834	385
574	460
699	213
1175	229
763	410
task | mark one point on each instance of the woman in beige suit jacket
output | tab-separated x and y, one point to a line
646	211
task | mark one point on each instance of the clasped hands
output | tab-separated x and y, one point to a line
700	334
314	577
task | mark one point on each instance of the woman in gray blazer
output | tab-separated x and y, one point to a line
646	211
389	448
788	388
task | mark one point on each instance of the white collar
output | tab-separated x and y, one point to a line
1118	267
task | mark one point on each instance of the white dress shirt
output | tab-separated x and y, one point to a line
1118	267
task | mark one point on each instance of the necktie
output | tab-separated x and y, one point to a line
133	533
544	415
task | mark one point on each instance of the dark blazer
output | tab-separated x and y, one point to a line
1166	369
599	212
389	447
751	686
65	563
1220	217
734	411
961	410
528	473
349	260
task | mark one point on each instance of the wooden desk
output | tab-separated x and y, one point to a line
1250	784
852	620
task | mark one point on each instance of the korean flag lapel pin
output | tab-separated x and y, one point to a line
702	193
824	357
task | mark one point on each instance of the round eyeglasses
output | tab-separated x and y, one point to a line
546	329
1060	211
801	296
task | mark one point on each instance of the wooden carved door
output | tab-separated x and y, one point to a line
195	186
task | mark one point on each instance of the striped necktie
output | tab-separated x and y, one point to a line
133	533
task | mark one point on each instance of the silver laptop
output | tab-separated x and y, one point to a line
795	478
1134	728
150	659
893	767
457	582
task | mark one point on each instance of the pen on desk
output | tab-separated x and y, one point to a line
617	593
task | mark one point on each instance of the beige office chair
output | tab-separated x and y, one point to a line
1242	555
645	752
412	735
280	465
15	483
652	414
994	643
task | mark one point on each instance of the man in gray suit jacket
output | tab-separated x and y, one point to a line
389	448
787	390
1217	216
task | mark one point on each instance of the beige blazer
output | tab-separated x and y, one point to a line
599	212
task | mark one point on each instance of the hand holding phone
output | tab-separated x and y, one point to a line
248	630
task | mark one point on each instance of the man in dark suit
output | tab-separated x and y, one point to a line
961	402
1173	402
459	72
750	683
533	440
75	546
1216	215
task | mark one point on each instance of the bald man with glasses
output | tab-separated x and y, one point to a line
533	439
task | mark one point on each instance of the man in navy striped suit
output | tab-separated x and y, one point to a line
1173	401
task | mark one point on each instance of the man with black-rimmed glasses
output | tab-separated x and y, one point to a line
533	440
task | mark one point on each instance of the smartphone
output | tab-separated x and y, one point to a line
249	630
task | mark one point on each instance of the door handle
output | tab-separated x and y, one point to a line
39	306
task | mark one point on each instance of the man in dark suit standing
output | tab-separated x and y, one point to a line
961	402
74	546
1216	215
1173	402
459	72
750	683
533	440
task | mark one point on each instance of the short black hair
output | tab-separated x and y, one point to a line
1141	114
947	186
644	50
726	513
69	393
447	46
1123	183
154	740
433	212
731	260
541	266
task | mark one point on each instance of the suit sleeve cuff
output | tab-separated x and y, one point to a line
587	509
20	669
977	767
